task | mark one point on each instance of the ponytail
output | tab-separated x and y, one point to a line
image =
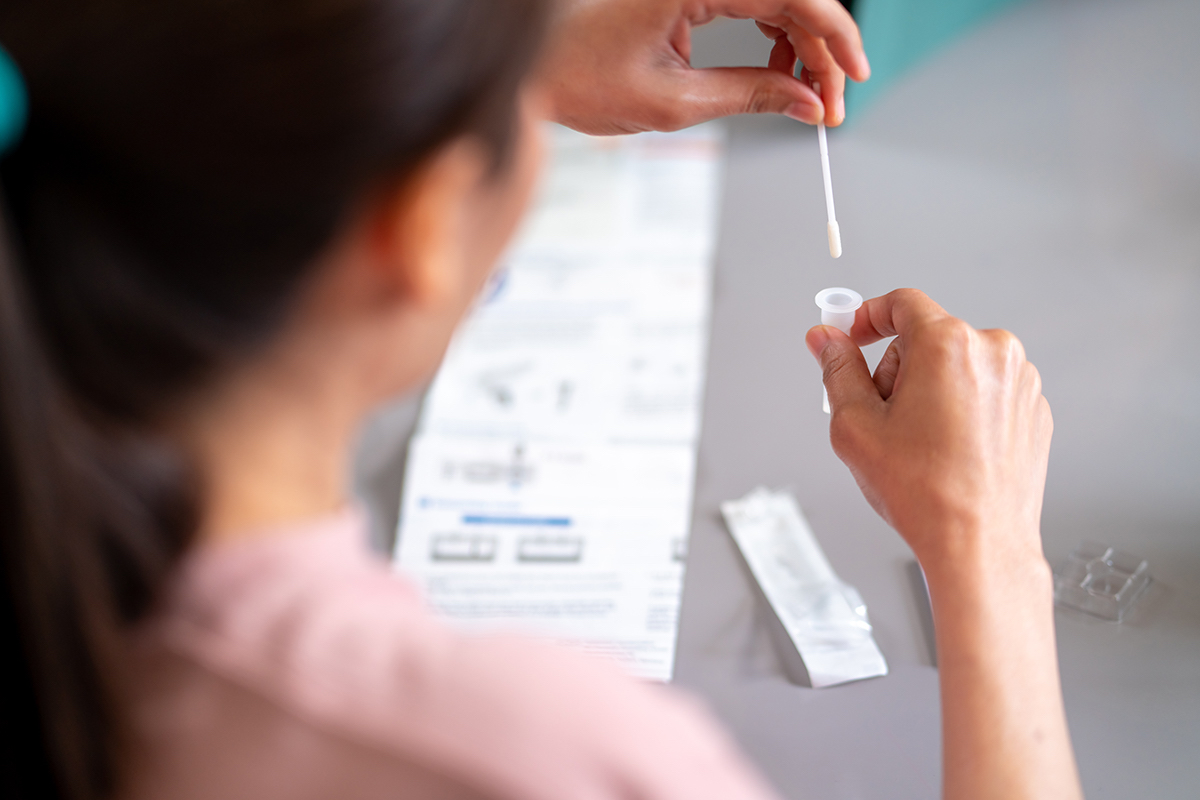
27	510
90	521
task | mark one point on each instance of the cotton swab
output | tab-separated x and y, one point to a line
835	233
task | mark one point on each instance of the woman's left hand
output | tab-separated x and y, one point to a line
622	66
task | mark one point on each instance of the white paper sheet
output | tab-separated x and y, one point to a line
549	485
577	542
825	619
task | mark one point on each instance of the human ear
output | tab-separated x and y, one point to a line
418	237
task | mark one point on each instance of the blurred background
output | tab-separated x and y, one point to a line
1030	165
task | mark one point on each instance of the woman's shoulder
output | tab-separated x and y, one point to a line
312	623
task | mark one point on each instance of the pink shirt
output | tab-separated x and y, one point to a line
294	665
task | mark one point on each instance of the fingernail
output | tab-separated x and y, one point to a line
816	340
804	112
841	110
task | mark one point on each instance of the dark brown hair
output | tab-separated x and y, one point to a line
183	164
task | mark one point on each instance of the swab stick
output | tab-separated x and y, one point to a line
835	233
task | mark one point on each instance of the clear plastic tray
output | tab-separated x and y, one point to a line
1101	581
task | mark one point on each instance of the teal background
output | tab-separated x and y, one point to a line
14	105
898	34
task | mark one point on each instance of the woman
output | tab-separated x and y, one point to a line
235	228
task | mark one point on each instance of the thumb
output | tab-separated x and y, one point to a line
844	370
724	91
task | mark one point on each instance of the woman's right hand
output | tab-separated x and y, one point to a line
949	440
622	66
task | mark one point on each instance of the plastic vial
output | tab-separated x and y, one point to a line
838	306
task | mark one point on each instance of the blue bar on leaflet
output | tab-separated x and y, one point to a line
480	519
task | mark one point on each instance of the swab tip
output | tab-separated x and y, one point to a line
835	239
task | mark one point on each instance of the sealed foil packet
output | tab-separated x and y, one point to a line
828	635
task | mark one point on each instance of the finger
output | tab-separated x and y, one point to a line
1046	421
829	83
1007	346
831	86
823	19
1031	387
896	313
887	371
813	53
783	57
844	370
1032	378
719	92
770	31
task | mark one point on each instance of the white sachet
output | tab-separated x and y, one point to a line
825	619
